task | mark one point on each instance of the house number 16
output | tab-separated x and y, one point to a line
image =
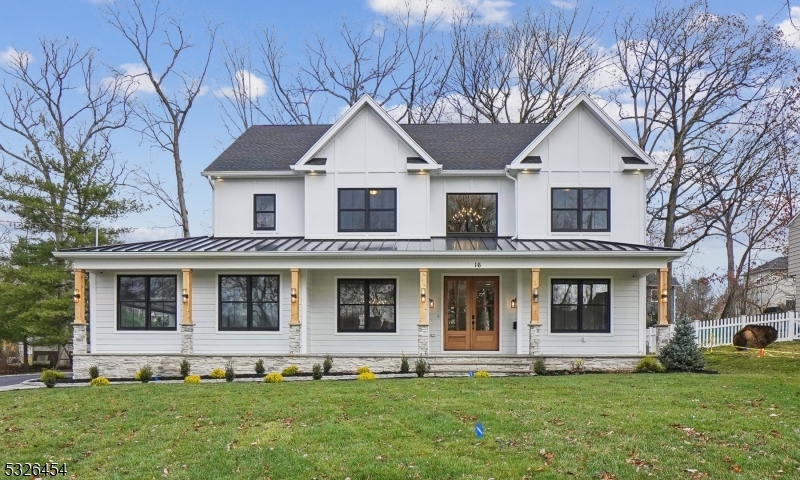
477	264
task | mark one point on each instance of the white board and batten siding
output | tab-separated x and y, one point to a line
233	206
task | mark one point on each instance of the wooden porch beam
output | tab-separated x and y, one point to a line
186	296
424	296
663	296
535	296
79	295
295	297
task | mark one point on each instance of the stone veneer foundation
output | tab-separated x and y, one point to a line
125	366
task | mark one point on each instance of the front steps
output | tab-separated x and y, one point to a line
505	365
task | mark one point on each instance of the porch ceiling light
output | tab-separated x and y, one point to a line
514	302
76	296
423	295
536	295
294	295
185	295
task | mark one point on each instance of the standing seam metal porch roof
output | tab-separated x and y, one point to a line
436	244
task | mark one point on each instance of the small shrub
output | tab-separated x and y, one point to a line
94	372
649	364
186	369
421	367
260	367
273	377
577	365
481	374
539	368
316	371
99	382
327	364
290	370
144	374
193	379
229	374
366	376
217	373
362	369
404	364
681	352
51	377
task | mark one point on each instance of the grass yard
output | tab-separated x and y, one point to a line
742	423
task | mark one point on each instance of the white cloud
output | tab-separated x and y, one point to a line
12	55
131	77
246	82
791	27
149	234
489	11
563	4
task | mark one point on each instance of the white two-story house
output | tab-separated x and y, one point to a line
472	245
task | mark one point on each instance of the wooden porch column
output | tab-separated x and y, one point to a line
663	296
79	296
534	296
424	296
295	340
186	296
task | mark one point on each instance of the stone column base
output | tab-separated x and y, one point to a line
534	348
294	338
663	334
187	338
79	343
423	339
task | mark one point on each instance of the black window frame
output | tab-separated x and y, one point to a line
474	234
365	285
148	302
366	210
249	303
580	210
256	211
580	282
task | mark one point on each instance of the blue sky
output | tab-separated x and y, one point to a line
22	22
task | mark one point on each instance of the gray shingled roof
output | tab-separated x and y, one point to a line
779	263
459	146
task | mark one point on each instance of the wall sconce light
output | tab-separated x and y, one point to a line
664	295
185	295
294	295
76	296
423	295
514	302
431	303
536	295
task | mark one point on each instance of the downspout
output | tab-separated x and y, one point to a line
516	202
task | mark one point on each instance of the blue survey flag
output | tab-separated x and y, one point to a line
479	430
471	374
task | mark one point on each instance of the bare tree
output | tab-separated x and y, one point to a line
163	120
240	100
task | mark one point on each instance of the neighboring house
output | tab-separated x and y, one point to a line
794	255
770	288
468	244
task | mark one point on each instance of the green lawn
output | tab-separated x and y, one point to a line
742	423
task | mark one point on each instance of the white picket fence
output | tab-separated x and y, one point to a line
713	333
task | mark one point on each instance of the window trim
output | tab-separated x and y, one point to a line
365	285
580	282
474	234
579	210
256	211
147	302
248	302
366	211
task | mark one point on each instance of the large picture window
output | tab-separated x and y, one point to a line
581	306
580	210
147	302
264	212
367	210
472	214
366	305
249	302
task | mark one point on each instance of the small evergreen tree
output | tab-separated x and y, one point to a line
682	352
186	369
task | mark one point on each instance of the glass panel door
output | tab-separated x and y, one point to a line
484	335
471	314
456	334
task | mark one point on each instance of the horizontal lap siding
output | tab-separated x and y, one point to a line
626	319
209	340
104	335
321	324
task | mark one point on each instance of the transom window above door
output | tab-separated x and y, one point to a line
367	209
472	214
581	210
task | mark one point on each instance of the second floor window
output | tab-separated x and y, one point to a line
580	210
264	212
472	214
367	210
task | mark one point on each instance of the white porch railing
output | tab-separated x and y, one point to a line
713	333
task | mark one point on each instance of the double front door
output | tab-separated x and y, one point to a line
471	313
